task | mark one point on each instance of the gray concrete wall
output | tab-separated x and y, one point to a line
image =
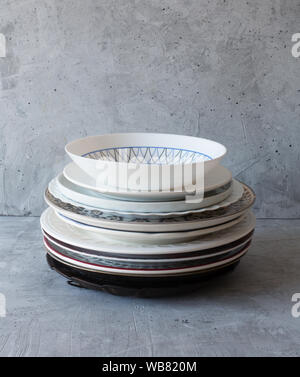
220	69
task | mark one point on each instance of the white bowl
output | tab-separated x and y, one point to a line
146	161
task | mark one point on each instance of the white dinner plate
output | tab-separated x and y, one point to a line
117	258
88	239
231	192
166	237
68	193
219	176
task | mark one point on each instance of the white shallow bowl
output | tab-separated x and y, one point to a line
126	160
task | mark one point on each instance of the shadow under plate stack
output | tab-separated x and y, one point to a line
144	242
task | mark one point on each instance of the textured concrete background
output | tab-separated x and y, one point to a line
220	69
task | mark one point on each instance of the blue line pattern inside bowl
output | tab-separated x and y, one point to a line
148	155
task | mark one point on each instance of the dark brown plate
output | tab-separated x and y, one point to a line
137	286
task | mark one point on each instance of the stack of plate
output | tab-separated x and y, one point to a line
129	235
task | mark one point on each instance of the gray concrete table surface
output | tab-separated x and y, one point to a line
245	313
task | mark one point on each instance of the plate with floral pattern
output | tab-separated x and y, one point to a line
160	224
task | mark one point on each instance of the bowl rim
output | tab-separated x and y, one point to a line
69	147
